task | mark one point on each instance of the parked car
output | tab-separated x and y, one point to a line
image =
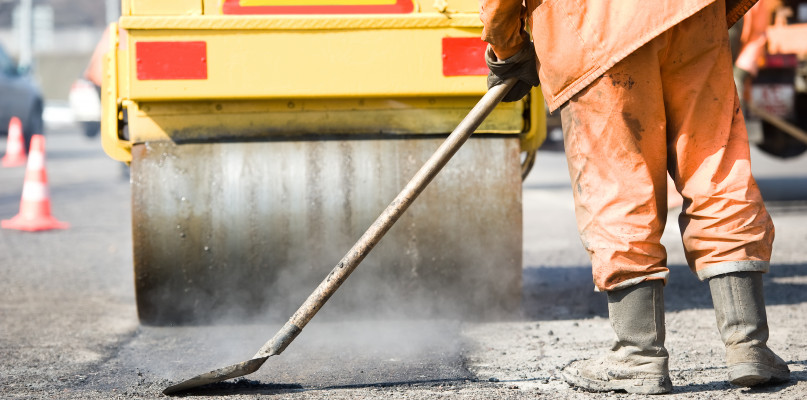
85	93
20	97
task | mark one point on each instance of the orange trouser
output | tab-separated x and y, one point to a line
669	106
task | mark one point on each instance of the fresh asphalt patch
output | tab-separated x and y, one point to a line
328	355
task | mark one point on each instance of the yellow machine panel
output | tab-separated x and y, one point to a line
214	7
269	63
151	121
187	68
183	76
314	2
162	7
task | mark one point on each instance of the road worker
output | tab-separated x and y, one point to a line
645	88
748	40
94	71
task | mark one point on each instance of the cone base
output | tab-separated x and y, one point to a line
42	223
13	161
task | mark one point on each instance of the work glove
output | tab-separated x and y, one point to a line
521	65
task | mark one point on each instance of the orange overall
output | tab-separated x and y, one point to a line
646	88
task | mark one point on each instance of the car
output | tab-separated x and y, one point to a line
20	97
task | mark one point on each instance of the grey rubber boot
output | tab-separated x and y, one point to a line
743	325
638	361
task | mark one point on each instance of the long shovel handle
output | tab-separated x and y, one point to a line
384	222
351	260
780	123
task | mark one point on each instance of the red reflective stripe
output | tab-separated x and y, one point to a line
171	60
464	56
400	7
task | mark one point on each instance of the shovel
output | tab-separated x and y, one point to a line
351	260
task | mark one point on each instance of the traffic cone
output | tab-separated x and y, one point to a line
35	204
15	146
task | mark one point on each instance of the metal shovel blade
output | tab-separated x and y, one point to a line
221	374
361	248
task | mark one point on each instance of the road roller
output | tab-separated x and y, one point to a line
263	137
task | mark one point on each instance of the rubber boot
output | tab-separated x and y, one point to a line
743	325
638	361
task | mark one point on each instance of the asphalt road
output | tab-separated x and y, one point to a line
68	326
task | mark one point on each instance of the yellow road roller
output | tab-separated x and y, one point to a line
265	136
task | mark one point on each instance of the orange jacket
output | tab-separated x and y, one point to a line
576	41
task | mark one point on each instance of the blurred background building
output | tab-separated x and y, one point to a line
62	36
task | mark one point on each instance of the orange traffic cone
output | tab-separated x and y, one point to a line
15	148
35	205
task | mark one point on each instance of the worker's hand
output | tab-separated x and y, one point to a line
521	65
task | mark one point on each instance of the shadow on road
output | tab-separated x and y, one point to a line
718	388
252	387
74	154
552	293
793	188
243	386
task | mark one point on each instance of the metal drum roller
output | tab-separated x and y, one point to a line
244	230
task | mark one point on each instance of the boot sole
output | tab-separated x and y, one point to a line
753	374
659	385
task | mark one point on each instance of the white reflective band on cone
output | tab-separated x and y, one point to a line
34	191
36	160
14	147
